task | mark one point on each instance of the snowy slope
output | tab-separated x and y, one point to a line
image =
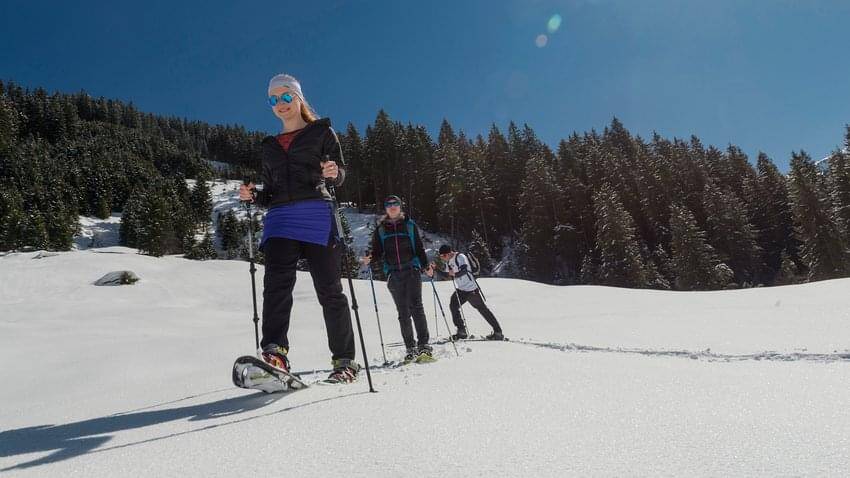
96	232
134	381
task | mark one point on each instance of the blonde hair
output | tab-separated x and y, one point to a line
307	113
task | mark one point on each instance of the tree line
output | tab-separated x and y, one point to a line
607	207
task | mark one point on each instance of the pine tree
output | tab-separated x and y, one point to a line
539	207
730	233
499	162
130	220
157	220
449	179
8	126
522	145
772	219
356	183
481	249
693	261
156	237
61	218
734	172
621	264
54	120
35	105
574	234
824	251
480	184
200	201
12	216
787	271
589	269
203	250
381	153
838	184
658	266
689	175
230	234
34	231
422	201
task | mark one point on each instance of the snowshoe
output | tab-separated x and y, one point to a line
254	373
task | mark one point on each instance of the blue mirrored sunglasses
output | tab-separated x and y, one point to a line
274	100
392	204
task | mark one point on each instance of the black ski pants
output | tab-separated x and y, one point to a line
406	289
281	257
461	297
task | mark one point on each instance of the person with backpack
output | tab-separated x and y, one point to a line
298	165
397	242
460	269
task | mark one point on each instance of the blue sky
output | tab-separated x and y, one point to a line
765	75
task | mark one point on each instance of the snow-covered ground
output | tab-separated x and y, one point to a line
135	380
96	233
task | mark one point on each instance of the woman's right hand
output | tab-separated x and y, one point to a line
366	260
245	192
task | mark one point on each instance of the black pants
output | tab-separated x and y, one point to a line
474	298
281	257
406	289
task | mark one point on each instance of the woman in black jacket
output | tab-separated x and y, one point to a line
398	244
298	165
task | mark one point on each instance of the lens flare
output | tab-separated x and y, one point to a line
541	41
554	23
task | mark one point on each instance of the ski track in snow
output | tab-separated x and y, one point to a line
696	355
706	355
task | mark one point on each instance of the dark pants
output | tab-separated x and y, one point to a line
281	257
406	289
474	298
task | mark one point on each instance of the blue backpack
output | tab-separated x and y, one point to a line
383	235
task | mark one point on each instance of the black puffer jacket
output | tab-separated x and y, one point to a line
297	174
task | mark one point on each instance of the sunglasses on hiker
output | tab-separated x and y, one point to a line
392	204
274	100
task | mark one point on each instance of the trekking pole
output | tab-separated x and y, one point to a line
460	306
436	322
377	316
348	255
253	270
480	290
437	297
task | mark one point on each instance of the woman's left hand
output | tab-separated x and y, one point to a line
330	169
